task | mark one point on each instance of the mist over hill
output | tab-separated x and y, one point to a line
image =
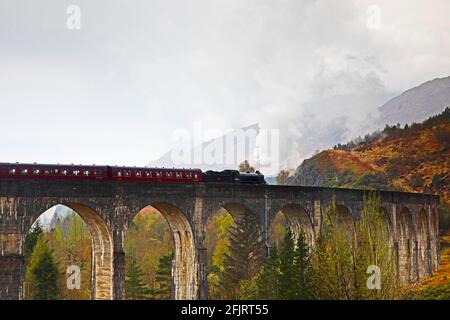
413	105
416	104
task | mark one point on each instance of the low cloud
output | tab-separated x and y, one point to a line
116	90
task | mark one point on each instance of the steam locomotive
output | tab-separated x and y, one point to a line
143	174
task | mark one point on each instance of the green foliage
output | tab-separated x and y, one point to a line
218	244
32	238
286	276
148	239
278	229
415	182
440	292
164	278
134	285
438	180
444	217
341	258
371	181
42	275
72	245
268	279
333	274
303	270
287	268
245	257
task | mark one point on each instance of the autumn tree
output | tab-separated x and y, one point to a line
283	175
72	245
149	238
245	166
218	244
341	258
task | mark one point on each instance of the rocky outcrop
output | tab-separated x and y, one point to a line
307	174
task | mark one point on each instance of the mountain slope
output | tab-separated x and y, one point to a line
417	104
414	158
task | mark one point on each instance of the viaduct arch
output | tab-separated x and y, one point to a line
109	207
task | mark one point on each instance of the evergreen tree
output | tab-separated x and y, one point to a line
32	238
302	265
42	274
134	286
288	273
164	278
245	257
268	280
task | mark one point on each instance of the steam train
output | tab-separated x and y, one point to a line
143	174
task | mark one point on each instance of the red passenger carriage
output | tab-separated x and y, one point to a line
81	172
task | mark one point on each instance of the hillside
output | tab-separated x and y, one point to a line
416	104
414	158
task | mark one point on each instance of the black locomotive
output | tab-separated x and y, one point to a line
233	176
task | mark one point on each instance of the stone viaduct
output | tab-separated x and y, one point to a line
109	207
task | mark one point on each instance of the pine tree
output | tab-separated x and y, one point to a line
164	278
302	265
288	273
32	238
134	285
245	257
42	274
268	281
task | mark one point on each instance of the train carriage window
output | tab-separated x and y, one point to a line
158	174
169	174
97	173
47	171
138	173
148	174
189	175
55	171
36	171
76	172
127	173
12	171
65	172
86	173
179	175
195	176
24	171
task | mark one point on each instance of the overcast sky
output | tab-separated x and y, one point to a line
114	91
